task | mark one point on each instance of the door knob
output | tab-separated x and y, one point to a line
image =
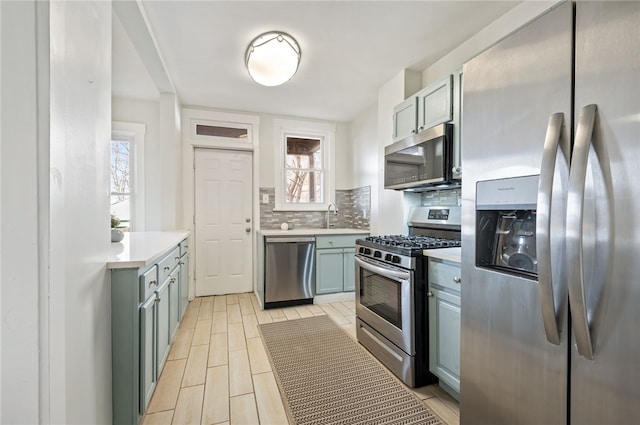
248	220
248	229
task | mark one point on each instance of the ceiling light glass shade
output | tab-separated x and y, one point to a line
272	58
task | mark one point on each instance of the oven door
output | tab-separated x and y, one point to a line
384	301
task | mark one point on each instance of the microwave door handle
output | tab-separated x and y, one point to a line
575	216
391	274
553	142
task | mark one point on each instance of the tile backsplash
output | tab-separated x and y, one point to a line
447	197
354	210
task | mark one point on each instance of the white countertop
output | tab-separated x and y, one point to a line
312	232
140	249
451	254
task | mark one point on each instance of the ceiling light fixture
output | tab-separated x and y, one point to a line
272	58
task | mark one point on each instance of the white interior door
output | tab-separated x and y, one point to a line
223	222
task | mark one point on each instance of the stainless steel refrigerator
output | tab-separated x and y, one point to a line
551	222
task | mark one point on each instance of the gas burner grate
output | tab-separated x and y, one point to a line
413	242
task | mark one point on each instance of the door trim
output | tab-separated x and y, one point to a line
191	141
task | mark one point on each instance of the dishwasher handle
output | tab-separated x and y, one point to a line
289	239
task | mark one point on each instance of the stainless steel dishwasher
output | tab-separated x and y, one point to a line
290	270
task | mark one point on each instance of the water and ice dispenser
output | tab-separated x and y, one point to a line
506	225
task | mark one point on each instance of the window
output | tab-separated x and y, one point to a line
127	174
304	173
121	180
303	170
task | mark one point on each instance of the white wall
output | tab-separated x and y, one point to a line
171	160
343	152
80	331
500	28
386	217
368	145
19	227
148	113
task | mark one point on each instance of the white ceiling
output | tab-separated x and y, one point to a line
349	50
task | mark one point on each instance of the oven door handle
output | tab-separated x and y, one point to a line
391	274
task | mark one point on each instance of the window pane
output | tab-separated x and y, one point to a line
304	186
120	175
212	130
303	153
121	208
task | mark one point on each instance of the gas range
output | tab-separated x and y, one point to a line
391	291
399	249
429	228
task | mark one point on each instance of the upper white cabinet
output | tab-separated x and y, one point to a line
405	118
430	106
435	103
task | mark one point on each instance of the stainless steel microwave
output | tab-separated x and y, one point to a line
421	160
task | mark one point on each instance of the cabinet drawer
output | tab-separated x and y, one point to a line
148	282
167	263
184	247
337	241
444	273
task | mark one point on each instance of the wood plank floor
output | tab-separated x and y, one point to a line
218	371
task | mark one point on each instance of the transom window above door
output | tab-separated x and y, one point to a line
304	173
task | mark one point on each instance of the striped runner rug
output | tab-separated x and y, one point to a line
325	377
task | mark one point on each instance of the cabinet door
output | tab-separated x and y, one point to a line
147	352
329	271
349	269
435	103
174	302
405	119
444	337
162	326
184	284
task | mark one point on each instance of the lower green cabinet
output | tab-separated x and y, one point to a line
147	351
444	323
350	269
144	319
174	302
184	284
163	341
335	263
329	270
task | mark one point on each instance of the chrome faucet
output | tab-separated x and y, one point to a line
335	212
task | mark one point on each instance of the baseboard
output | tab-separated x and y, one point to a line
334	298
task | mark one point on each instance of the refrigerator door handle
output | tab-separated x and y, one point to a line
575	216
552	143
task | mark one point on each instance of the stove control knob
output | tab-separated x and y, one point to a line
377	254
395	259
387	257
367	251
361	250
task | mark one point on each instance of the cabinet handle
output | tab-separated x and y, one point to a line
456	170
172	280
456	279
176	258
421	128
152	282
414	131
166	268
429	294
182	263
